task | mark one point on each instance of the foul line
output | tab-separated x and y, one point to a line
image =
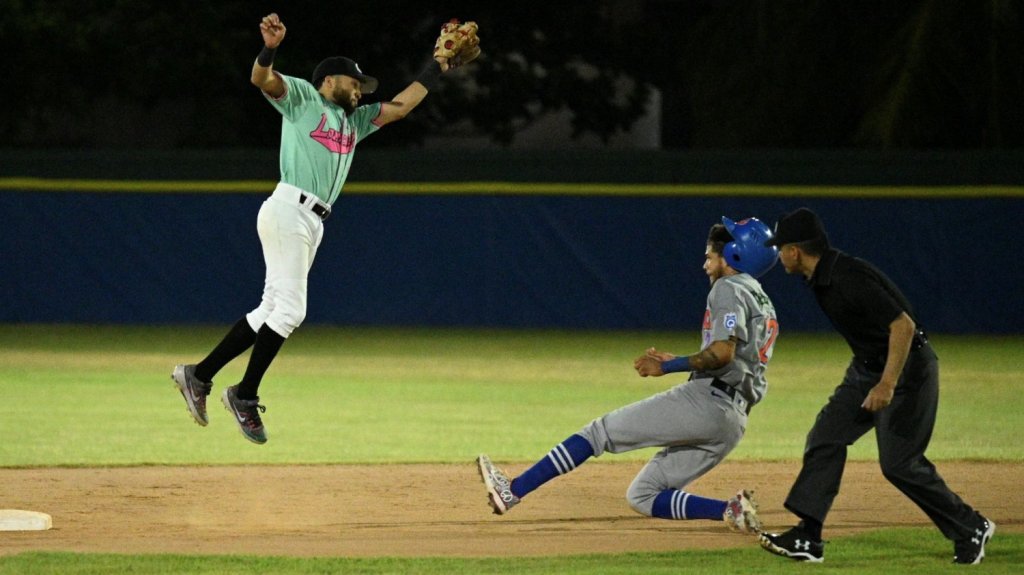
518	188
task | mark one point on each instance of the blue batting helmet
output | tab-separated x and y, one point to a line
747	252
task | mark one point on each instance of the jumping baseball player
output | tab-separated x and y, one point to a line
697	423
322	122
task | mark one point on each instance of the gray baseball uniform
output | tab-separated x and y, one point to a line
698	423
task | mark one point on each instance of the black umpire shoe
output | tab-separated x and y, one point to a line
795	544
971	551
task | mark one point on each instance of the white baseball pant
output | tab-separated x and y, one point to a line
290	234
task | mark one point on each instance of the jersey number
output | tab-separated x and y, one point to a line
772	329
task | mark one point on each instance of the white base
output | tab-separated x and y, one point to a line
18	520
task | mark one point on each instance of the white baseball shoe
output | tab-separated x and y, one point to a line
499	488
741	513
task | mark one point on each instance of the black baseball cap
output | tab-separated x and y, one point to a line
800	225
341	65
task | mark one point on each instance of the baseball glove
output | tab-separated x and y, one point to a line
458	44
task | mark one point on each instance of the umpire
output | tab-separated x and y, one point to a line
891	384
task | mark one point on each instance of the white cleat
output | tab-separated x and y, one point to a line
499	488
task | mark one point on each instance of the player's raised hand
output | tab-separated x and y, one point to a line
272	30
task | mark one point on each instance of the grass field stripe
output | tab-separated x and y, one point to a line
484	188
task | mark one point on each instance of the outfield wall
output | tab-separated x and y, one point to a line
89	245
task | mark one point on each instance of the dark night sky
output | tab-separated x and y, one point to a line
872	74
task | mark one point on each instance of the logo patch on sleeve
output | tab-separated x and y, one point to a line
729	321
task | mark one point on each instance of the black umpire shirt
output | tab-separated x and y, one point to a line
861	302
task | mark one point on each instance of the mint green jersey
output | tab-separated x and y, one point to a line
318	140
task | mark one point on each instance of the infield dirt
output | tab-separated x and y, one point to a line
434	510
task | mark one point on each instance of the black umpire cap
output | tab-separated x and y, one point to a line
801	225
342	65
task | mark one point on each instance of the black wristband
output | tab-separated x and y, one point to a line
266	57
430	75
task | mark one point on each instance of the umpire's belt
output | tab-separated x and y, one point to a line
877	364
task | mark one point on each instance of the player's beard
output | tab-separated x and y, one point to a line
343	98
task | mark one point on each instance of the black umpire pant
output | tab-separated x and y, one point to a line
903	430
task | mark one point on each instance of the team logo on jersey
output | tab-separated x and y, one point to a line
333	140
729	321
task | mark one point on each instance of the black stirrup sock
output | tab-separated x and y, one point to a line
239	339
268	343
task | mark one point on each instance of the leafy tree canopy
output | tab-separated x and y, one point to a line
743	74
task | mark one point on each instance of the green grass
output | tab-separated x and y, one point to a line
76	395
878	553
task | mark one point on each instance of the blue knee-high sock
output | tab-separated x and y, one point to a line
561	460
675	504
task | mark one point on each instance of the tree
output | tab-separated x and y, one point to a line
732	74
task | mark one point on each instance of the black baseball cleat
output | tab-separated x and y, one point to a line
193	390
795	544
247	415
971	551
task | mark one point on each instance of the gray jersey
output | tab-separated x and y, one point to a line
738	307
696	424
